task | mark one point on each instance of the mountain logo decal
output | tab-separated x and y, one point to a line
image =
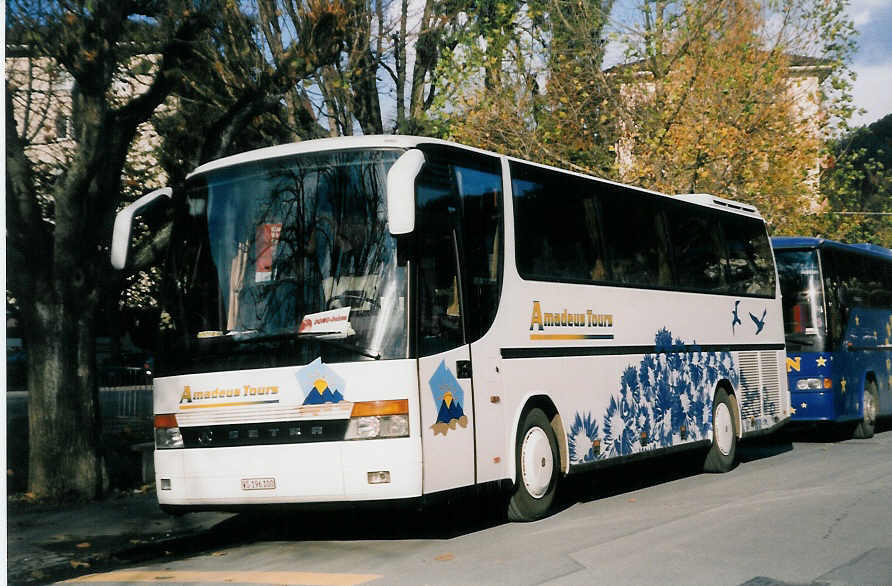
449	396
320	384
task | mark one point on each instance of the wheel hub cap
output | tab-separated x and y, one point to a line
537	462
724	429
870	408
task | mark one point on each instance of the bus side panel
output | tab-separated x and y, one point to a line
632	370
867	349
489	405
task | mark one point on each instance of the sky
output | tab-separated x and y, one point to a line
873	61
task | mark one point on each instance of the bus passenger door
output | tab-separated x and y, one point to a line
447	402
447	420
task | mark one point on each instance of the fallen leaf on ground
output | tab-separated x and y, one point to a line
76	564
445	557
83	545
633	500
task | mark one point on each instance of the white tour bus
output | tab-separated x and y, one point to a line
368	318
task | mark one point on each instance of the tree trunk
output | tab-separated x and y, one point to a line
63	408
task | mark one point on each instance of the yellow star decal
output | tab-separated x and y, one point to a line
821	361
792	410
842	385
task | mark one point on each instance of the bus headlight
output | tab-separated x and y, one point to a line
813	384
167	432
378	419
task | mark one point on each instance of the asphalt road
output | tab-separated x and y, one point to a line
798	509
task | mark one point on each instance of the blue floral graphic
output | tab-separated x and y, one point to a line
583	439
663	401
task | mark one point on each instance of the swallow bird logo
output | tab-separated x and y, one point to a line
760	323
735	319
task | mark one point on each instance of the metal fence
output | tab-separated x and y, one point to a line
125	402
129	401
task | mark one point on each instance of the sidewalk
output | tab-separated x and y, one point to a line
50	543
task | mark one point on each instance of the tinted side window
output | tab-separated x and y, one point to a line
479	185
440	324
459	197
556	225
863	281
884	274
879	293
635	234
849	272
697	248
750	262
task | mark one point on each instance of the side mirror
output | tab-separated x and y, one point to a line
124	222
401	192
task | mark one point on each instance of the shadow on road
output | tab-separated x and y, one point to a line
824	432
764	447
460	514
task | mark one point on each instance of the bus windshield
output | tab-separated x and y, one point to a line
803	299
290	248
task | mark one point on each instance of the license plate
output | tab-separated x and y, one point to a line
258	483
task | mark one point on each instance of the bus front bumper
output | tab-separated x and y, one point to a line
342	471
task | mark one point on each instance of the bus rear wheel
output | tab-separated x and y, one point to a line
537	464
869	405
724	435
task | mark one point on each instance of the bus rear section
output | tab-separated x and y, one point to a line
837	303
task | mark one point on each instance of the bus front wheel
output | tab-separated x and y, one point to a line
537	464
868	421
724	436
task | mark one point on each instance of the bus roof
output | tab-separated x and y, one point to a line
406	142
807	242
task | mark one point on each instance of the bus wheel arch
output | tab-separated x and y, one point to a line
537	458
547	406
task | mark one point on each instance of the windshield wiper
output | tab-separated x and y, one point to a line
325	337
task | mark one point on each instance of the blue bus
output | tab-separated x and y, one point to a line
837	304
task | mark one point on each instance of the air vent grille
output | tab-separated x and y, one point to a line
759	384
